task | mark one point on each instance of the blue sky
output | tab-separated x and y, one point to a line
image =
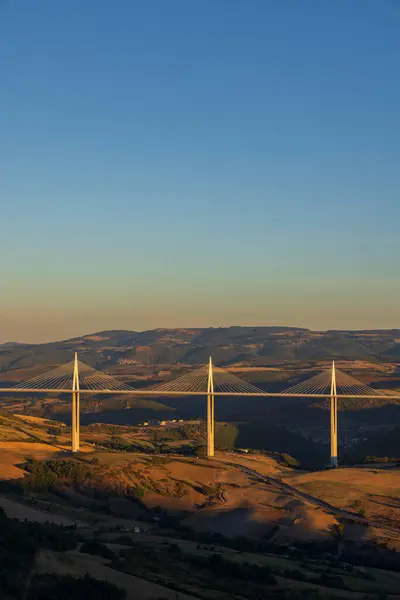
194	163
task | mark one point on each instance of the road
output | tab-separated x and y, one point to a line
286	488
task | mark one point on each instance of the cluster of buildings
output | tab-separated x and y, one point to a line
160	423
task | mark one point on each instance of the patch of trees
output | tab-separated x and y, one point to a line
183	450
294	574
174	567
98	480
262	435
336	531
239	543
120	445
54	431
98	549
377	558
124	540
210	490
287	460
19	543
380	459
49	587
334	581
194	430
313	548
368	555
106	428
363	555
225	436
44	475
171	434
222	567
380	447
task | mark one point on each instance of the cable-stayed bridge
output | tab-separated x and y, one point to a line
78	378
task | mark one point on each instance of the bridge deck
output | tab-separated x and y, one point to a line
197	393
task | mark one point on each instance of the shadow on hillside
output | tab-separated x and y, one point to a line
274	438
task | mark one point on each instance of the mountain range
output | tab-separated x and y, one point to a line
255	346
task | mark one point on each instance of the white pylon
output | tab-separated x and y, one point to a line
75	406
334	424
210	411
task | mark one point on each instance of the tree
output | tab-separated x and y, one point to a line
336	531
98	549
174	549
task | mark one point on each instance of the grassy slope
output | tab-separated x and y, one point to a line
185	483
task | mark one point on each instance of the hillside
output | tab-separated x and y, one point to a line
110	522
381	444
227	345
210	495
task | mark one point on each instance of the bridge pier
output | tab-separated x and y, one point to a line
210	412
75	406
334	422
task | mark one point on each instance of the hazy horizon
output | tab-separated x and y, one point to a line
212	163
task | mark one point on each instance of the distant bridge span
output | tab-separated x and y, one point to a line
78	378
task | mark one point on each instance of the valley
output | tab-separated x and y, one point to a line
234	526
147	515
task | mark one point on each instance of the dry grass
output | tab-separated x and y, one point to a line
225	499
341	487
264	465
114	459
220	497
14	453
375	491
34	420
8	435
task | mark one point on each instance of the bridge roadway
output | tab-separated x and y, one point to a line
155	392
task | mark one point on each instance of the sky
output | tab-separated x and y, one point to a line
198	163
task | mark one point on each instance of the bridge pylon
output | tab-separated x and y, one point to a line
75	406
334	423
210	411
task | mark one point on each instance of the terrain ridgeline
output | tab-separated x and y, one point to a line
227	345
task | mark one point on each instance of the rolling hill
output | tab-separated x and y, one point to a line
227	345
270	357
111	522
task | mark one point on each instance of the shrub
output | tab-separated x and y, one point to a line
98	549
174	549
336	530
294	574
124	540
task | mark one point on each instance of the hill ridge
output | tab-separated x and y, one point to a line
256	346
